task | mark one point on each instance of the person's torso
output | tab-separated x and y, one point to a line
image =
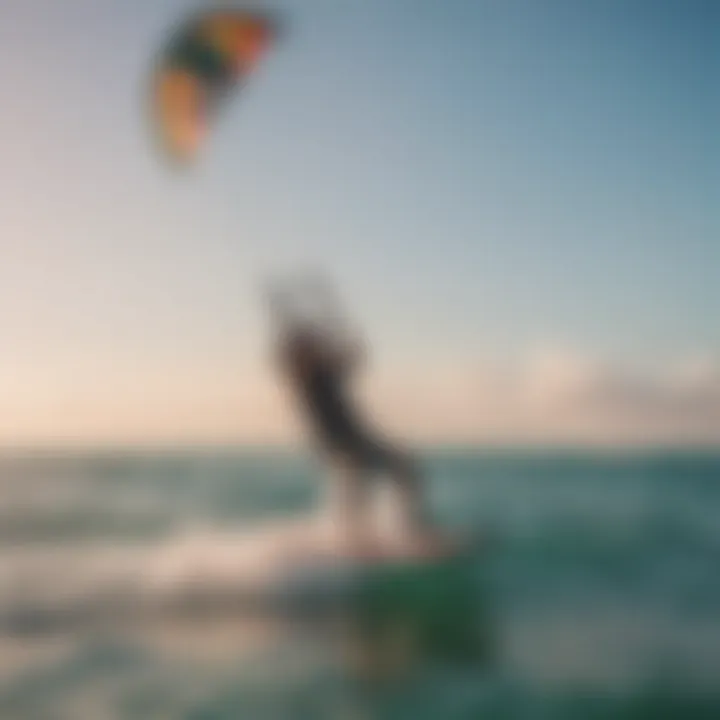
324	396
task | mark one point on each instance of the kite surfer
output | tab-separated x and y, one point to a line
318	360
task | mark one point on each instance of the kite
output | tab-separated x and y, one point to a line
203	63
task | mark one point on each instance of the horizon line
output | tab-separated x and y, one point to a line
294	449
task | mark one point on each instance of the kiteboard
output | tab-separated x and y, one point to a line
297	566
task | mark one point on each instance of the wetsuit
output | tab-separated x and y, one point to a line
338	430
319	383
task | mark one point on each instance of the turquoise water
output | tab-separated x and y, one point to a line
596	593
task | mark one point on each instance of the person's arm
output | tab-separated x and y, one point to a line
328	301
282	320
342	334
341	346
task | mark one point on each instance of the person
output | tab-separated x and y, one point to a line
319	359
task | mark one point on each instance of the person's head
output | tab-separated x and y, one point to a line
303	346
300	338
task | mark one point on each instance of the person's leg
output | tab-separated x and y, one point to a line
350	509
419	535
406	475
403	472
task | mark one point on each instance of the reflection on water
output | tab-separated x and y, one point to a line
218	661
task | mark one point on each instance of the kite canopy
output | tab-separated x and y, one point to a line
210	55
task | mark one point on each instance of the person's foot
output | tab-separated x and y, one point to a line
366	548
430	542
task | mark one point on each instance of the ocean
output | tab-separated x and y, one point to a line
595	593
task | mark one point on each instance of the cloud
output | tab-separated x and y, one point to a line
554	395
562	396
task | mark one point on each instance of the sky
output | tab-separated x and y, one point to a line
519	201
